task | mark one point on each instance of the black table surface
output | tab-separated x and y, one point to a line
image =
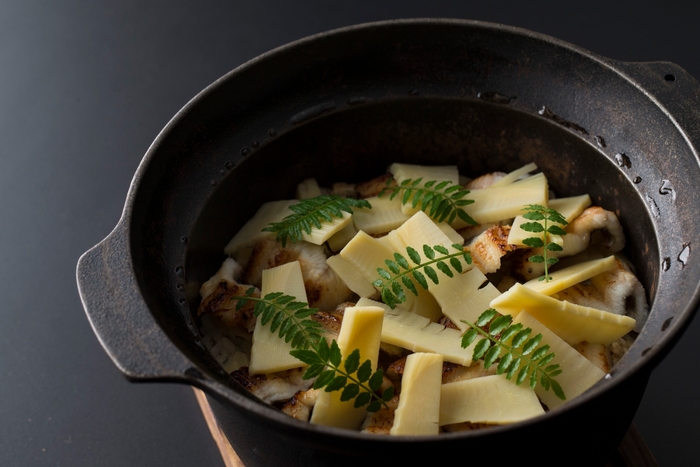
85	86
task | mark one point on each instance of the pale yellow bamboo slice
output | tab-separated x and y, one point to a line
252	232
361	329
418	334
366	254
488	399
515	175
464	298
328	229
573	323
439	173
308	189
418	412
572	275
569	208
506	202
578	373
341	238
270	353
384	216
351	276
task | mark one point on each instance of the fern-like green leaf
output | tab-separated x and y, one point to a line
312	213
442	201
514	350
544	221
400	274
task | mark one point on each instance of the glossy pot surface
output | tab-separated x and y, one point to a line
342	106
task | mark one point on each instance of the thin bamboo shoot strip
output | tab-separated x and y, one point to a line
418	334
578	373
361	329
418	412
385	215
572	275
269	353
464	298
488	399
252	231
573	323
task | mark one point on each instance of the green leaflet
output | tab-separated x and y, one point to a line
400	274
544	221
311	213
441	201
515	351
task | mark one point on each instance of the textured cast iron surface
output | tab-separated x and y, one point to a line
341	106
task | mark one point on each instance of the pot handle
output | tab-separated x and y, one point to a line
120	318
675	90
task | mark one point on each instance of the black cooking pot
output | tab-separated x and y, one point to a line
341	106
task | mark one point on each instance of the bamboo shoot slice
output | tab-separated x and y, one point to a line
578	373
270	353
488	399
569	208
572	275
341	238
328	229
418	334
464	298
496	204
366	254
573	323
308	189
514	175
385	215
418	412
252	232
440	173
361	329
351	276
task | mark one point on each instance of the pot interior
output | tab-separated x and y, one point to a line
360	142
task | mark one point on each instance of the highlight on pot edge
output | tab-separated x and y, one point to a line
422	301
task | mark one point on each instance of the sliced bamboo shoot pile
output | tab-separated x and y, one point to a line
418	412
488	399
385	215
252	232
361	329
573	323
464	297
269	353
351	276
418	334
506	202
572	275
578	373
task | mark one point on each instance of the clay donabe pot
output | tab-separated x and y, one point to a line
343	105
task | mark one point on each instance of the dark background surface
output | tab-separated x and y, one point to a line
85	86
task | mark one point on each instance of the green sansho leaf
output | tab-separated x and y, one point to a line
392	282
443	201
312	213
515	351
545	221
